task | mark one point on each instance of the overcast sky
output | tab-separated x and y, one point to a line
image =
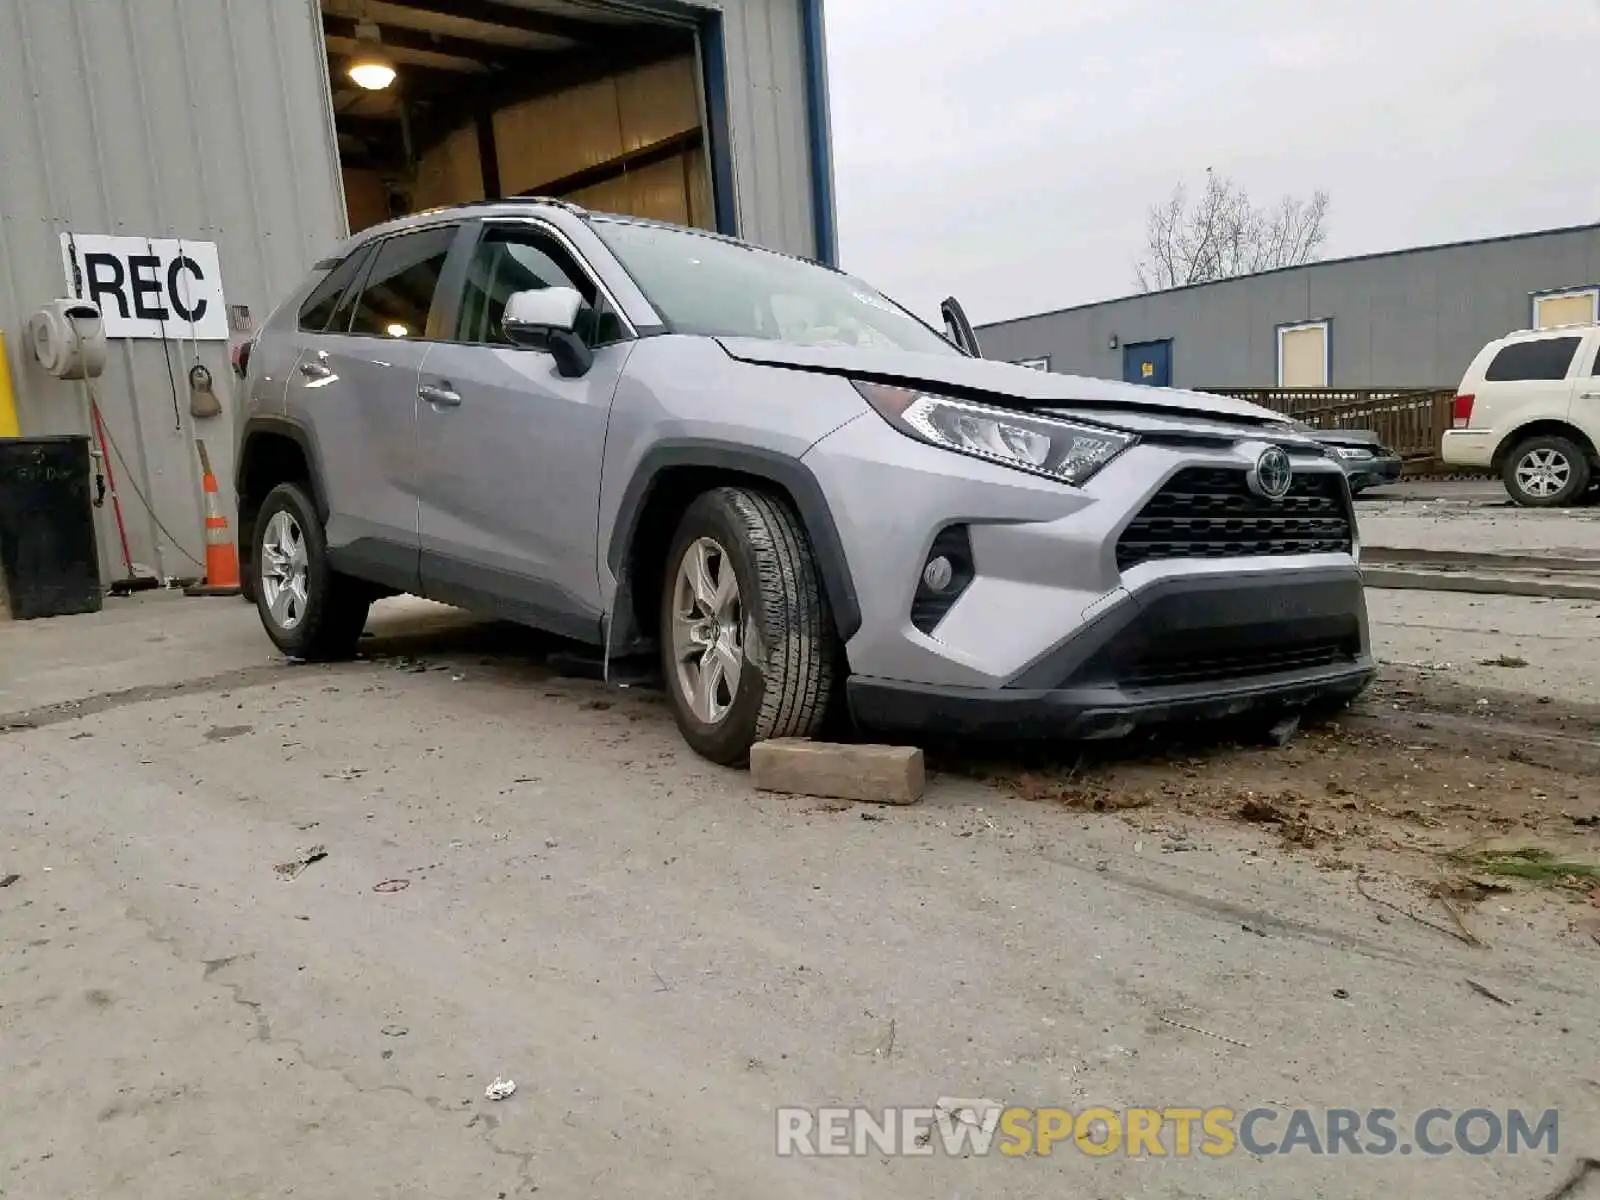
1007	152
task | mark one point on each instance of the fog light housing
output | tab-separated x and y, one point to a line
947	571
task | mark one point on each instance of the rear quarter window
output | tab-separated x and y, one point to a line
324	298
1545	358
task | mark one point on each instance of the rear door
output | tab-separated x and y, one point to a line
361	376
509	451
297	358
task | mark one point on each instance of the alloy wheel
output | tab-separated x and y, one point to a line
1543	473
285	571
707	630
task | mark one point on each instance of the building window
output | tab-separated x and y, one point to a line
1037	364
1575	306
1303	355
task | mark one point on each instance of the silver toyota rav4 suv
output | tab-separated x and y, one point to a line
653	439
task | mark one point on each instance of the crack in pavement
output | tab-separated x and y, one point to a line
485	1124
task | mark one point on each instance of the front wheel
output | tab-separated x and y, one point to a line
748	645
1546	471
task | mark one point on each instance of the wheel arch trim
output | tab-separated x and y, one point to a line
773	466
296	432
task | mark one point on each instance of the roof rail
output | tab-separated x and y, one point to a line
551	201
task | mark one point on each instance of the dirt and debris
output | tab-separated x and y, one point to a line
7	880
500	1089
1503	660
1488	993
297	864
1417	779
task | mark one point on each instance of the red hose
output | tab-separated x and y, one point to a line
111	478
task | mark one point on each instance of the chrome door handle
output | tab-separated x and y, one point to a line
440	395
1589	396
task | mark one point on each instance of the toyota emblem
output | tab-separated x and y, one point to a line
1272	474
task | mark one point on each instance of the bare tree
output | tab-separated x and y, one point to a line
1222	234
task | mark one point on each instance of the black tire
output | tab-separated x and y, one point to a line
1548	444
329	624
789	644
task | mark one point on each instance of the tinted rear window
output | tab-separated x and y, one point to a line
1547	358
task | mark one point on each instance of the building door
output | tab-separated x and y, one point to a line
1303	355
1149	363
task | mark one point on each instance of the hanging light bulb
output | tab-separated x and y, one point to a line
371	68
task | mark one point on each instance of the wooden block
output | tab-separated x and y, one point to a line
878	774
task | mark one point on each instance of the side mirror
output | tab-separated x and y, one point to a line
547	319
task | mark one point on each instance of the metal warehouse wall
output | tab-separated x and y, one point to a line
208	120
1409	319
200	119
770	108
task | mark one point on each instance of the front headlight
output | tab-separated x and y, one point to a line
1066	451
1352	452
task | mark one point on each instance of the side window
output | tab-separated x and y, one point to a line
399	289
320	304
1546	358
513	259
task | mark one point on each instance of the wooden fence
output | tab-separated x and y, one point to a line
1412	421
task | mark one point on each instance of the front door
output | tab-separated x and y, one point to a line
1149	363
510	451
1585	412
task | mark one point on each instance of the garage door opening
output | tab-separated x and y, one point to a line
499	98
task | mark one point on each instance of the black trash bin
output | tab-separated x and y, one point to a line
47	548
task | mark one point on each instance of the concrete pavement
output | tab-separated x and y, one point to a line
532	877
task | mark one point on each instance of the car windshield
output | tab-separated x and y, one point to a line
719	288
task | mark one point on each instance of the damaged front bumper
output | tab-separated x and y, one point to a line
1207	647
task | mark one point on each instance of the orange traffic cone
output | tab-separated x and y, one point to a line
222	556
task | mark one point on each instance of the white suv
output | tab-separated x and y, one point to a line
1529	409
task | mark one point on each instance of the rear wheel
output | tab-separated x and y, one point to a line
1546	471
310	610
748	646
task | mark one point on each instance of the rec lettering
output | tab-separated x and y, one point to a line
138	285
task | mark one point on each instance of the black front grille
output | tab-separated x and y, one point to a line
1210	512
1171	665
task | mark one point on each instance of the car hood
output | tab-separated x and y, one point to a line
1037	388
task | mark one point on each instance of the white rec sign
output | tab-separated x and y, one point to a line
148	287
